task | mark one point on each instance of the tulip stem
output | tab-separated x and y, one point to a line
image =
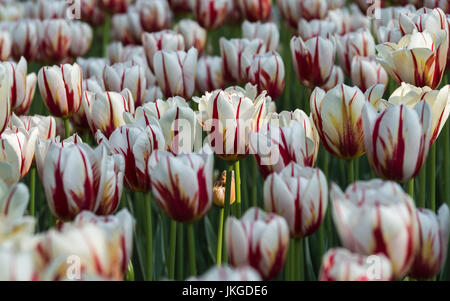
32	190
254	187
446	137
173	244
106	28
237	175
180	252
411	188
148	212
433	177
227	204
67	127
299	262
129	275
220	238
422	187
191	242
350	172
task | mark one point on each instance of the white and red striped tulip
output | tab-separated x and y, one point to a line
433	242
417	59
5	45
49	9
194	35
443	4
313	60
210	14
55	39
259	240
9	164
339	264
337	117
360	43
237	55
336	78
126	28
313	9
5	98
17	265
255	10
152	94
268	32
397	139
209	75
136	144
46	125
154	15
227	273
25	39
423	20
377	217
322	28
439	101
388	34
104	111
92	67
81	42
290	11
267	73
175	72
366	72
13	204
183	184
300	195
24	108
91	13
114	6
348	19
60	88
163	40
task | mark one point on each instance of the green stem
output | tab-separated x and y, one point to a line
149	235
350	172
220	238
237	175
446	138
173	245
254	186
422	187
299	261
292	259
227	203
67	127
180	253
433	177
32	190
106	28
411	188
191	242
356	169
129	276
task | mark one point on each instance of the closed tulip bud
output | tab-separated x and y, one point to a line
218	192
93	67
210	14
315	28
126	27
17	73
31	80
255	10
46	125
259	240
417	59
209	75
104	111
60	87
183	184
337	116
13	204
397	139
336	78
136	144
91	13
438	100
25	39
5	45
268	32
433	242
194	35
237	55
175	72
81	43
55	39
114	6
313	60
348	19
366	72
226	273
354	44
339	264
313	9
5	98
377	217
164	40
154	15
443	4
267	73
290	11
300	195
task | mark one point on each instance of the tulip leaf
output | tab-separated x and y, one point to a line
211	239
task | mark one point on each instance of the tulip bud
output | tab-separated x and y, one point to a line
5	45
183	185
154	15
443	4
255	10
81	43
31	80
313	60
17	73
219	190
163	40
114	6
338	264
210	14
91	13
313	9
93	67
152	94
55	39
175	72
315	28
25	36
267	73
60	87
5	98
226	273
209	75
193	34
126	27
46	125
268	32
354	44
367	72
259	240
290	11
349	19
377	217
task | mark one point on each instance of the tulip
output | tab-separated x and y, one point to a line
81	43
175	72
55	39
367	72
60	87
438	100
337	116
377	217
267	73
179	5
237	55
348	19
91	13
17	266
5	98
114	6
322	28
313	9
92	67
136	144
290	11
338	264
268	32
163	40
25	39
386	34
433	242
31	80
255	10
354	44
126	76
335	4
209	75
397	139
336	78
13	204
46	125
9	163
228	117
300	195
104	111
423	20
218	192
417	59
227	273
154	15
443	4
183	184
17	73
46	9
5	45
313	60
210	14
193	34
259	240
152	94
126	28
